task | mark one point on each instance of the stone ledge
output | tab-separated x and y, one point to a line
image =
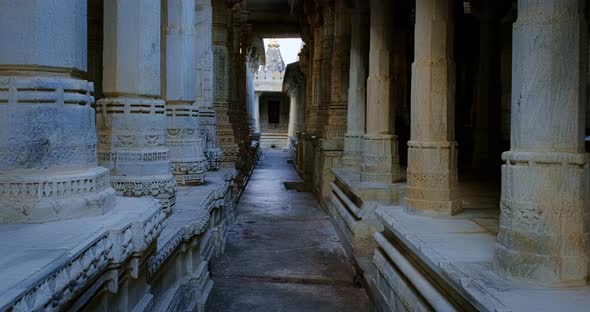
47	265
457	252
191	215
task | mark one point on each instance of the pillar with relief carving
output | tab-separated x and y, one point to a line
432	150
204	82
380	153
221	82
543	235
48	162
131	119
357	90
178	90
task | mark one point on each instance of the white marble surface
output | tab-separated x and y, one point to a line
460	251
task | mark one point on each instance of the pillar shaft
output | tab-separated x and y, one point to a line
325	63
432	150
131	119
204	82
339	67
314	125
543	233
357	90
48	163
221	81
178	89
380	154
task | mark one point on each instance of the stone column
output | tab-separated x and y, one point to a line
204	82
178	89
293	106
357	90
339	67
432	150
221	82
131	119
256	109
380	153
313	126
48	164
543	233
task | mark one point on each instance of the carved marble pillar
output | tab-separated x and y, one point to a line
293	107
48	164
178	89
204	82
326	46
237	103
543	233
256	111
380	152
357	91
432	150
221	82
339	71
131	119
312	79
314	124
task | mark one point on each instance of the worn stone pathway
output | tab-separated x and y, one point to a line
283	254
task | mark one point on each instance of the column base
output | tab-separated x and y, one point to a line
330	158
214	156
543	233
48	168
432	178
380	159
190	172
186	146
352	156
55	196
161	187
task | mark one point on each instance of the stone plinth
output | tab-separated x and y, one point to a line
60	265
432	178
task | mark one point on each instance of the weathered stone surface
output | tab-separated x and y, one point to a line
459	252
48	165
380	152
544	220
282	242
432	152
187	147
131	120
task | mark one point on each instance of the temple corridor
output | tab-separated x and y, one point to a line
282	254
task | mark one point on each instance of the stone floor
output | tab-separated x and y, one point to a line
283	253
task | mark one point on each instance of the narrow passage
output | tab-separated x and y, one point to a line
283	254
